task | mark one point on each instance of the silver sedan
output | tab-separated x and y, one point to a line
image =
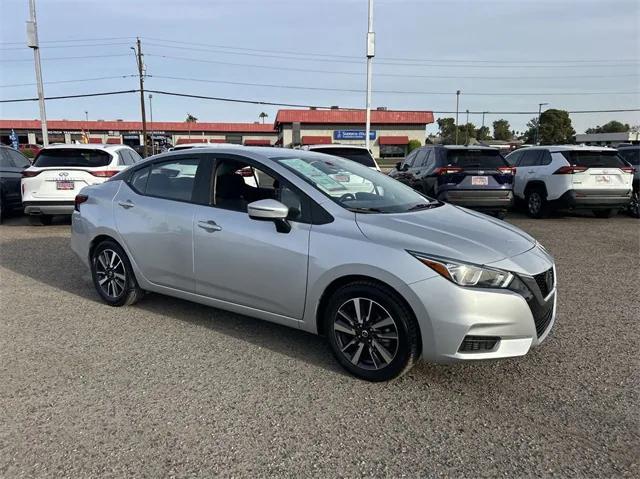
388	275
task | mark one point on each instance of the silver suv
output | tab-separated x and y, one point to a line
386	274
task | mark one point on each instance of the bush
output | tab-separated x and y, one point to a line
412	145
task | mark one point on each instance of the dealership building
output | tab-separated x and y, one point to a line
390	131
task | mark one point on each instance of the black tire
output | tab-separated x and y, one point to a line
536	203
118	291
2	212
608	213
394	356
634	206
40	220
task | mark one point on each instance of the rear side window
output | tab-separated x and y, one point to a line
19	161
594	159
513	158
139	180
421	158
471	158
632	155
173	180
354	154
530	158
72	157
135	157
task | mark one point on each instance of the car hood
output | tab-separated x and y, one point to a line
447	231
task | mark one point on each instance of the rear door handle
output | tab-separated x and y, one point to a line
126	204
209	226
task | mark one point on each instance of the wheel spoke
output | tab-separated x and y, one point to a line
119	276
386	335
103	280
349	344
356	357
344	315
356	304
101	261
388	321
113	258
366	320
343	328
386	355
373	357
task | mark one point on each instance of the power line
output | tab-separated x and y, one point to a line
64	97
74	40
398	92
86	45
78	80
392	75
84	57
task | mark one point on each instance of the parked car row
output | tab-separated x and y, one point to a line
542	178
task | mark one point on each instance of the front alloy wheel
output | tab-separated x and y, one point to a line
366	333
536	204
113	276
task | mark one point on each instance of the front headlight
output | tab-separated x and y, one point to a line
464	274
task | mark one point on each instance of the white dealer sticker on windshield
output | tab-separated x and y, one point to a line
314	174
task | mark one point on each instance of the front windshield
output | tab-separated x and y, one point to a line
355	187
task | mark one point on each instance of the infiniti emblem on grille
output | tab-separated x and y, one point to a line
63	173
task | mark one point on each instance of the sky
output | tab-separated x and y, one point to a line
571	54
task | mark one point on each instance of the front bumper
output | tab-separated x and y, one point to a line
485	199
451	313
48	207
594	199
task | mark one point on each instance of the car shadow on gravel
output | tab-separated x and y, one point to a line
50	260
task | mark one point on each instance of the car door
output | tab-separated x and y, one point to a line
11	165
416	171
248	262
525	170
154	213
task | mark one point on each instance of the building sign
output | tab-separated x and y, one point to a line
353	135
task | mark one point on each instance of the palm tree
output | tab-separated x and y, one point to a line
262	116
190	119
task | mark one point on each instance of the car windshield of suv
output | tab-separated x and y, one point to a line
358	155
470	158
72	157
632	155
355	187
594	159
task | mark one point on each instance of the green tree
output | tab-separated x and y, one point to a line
610	127
466	133
190	120
502	130
412	145
262	116
483	133
447	129
555	128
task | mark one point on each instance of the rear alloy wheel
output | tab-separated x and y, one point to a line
608	213
112	275
536	204
372	334
634	206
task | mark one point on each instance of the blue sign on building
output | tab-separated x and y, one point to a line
353	135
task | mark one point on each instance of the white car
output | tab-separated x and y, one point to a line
343	180
571	177
59	172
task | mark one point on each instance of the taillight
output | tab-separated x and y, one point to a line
570	170
78	201
447	170
628	169
30	173
104	173
507	170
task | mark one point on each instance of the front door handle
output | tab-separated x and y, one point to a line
126	204
532	171
209	226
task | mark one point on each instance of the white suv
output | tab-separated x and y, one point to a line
59	172
571	177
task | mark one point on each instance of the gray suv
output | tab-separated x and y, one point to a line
477	177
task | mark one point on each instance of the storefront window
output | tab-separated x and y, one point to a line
234	139
393	151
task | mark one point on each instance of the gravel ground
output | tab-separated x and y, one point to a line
168	388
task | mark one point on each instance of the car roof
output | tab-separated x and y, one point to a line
571	148
467	147
85	146
334	145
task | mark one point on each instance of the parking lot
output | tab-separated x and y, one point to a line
169	388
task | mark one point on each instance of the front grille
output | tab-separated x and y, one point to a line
478	343
542	321
545	282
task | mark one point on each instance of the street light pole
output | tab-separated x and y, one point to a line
466	127
371	47
457	107
483	113
153	144
32	42
540	105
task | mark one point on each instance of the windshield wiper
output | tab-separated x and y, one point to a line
365	210
422	206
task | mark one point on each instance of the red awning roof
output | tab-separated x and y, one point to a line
338	116
114	141
393	140
316	140
257	142
182	141
137	126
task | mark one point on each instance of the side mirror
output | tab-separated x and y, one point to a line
270	210
398	165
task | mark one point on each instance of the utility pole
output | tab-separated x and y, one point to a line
457	107
371	47
483	113
32	42
540	105
140	62
466	127
153	144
